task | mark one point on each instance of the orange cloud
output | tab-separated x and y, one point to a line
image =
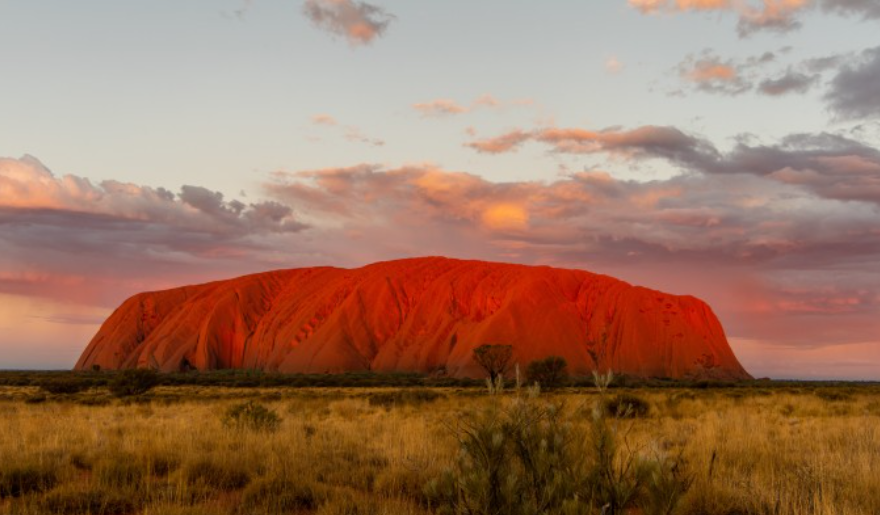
445	106
768	14
706	71
652	6
358	22
440	106
500	144
504	217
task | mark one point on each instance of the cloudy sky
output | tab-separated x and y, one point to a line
728	149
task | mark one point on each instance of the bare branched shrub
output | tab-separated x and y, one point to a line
494	359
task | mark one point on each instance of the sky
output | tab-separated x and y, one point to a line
727	149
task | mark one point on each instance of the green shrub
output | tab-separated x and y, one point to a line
549	372
132	382
518	459
626	405
667	483
524	457
253	416
26	478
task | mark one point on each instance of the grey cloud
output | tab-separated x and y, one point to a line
791	82
829	165
867	9
854	92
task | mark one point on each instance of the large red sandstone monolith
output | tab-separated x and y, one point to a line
423	315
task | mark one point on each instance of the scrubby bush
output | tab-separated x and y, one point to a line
549	372
72	501
626	405
404	397
517	459
253	416
119	471
275	495
524	457
834	395
133	382
212	474
64	385
18	480
667	483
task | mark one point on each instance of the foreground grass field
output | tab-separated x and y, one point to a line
793	450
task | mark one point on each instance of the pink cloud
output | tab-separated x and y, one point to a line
613	65
349	132
324	119
358	22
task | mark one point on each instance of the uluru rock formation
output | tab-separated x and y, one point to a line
424	314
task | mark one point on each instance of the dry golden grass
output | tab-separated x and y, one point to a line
772	451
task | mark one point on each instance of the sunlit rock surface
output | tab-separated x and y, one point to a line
424	315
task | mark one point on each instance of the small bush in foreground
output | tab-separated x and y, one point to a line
120	471
215	475
626	405
132	382
70	501
24	479
275	495
252	415
525	457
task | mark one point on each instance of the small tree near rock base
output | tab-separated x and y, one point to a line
549	372
494	359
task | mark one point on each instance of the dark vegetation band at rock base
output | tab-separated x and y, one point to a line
67	382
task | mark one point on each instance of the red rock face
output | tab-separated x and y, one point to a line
424	315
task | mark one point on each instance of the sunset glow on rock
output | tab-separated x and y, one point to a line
423	315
